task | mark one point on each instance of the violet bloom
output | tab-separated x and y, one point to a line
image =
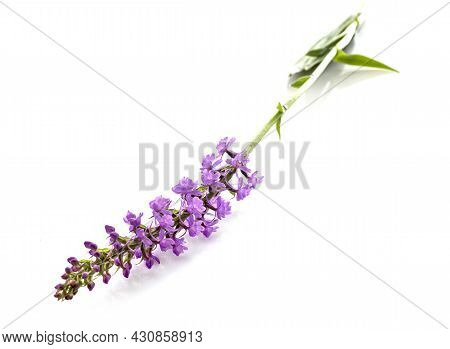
209	227
223	208
224	145
186	186
166	244
239	162
165	222
254	180
160	205
132	220
140	233
210	161
151	260
178	248
195	227
243	190
212	178
195	206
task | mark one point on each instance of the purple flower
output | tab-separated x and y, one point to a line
178	247
132	220
150	261
160	205
210	161
166	244
195	227
209	227
165	222
239	162
211	178
198	212
138	253
224	145
243	190
223	208
195	206
140	233
254	179
186	186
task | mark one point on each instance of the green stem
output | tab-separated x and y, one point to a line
249	148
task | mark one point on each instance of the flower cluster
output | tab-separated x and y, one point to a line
201	207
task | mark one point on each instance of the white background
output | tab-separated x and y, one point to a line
378	167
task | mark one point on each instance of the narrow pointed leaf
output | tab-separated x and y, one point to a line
280	109
300	81
361	61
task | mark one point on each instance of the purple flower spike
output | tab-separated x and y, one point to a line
196	212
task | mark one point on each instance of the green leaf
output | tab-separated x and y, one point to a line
320	49
280	109
360	60
300	81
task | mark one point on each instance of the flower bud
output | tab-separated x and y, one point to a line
68	297
90	245
84	276
73	283
96	268
138	253
64	276
90	286
106	278
126	272
72	260
68	270
59	286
